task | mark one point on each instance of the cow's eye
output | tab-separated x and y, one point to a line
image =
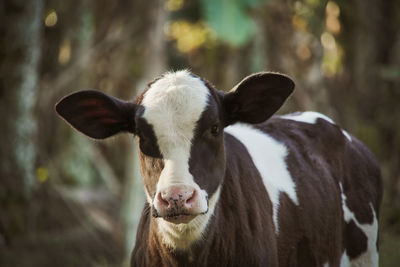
215	130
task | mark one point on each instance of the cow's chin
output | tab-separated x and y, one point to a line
180	218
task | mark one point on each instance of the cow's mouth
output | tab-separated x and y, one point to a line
176	218
179	218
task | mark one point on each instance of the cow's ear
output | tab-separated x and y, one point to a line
256	98
96	114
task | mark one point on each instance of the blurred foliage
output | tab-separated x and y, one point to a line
190	36
344	56
230	19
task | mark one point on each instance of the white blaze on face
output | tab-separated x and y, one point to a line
173	105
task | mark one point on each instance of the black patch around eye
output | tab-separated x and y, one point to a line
215	130
209	125
147	140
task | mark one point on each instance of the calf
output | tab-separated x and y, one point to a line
225	187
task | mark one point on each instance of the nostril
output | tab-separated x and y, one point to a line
177	197
191	198
162	200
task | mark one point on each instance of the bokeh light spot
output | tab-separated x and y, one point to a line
42	174
51	19
332	17
303	52
299	23
64	54
328	41
173	5
332	59
332	9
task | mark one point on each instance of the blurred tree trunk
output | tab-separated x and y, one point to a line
280	45
154	58
371	42
20	28
295	51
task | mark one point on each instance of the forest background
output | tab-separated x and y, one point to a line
66	200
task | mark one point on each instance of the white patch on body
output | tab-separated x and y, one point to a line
173	105
181	236
347	135
371	256
311	117
269	157
307	117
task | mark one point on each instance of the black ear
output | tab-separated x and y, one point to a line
96	114
256	98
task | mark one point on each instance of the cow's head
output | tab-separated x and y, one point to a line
179	123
